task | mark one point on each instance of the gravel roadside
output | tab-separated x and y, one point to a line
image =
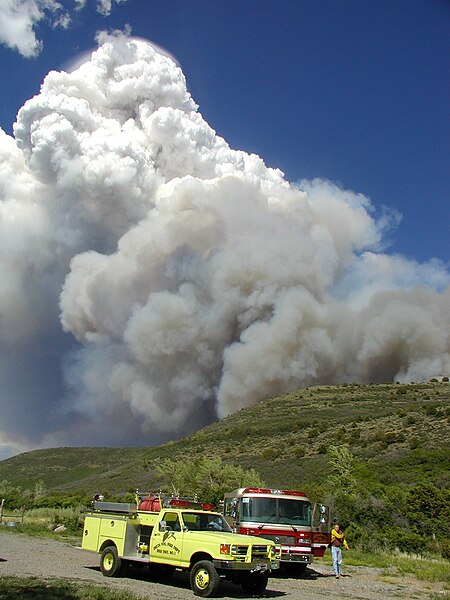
25	556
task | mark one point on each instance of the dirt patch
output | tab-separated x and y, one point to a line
25	556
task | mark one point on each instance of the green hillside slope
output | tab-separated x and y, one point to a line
397	433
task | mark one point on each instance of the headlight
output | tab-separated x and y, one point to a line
275	551
224	548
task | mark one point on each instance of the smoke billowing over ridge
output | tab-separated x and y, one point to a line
154	279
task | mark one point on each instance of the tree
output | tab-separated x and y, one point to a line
206	478
341	464
39	489
428	510
11	494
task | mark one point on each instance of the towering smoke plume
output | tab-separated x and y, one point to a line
152	278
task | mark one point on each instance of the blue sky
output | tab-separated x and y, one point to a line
154	278
351	91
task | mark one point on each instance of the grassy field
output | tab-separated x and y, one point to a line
15	588
401	564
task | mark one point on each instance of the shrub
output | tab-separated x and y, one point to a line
391	437
431	410
300	451
355	435
445	551
269	453
71	522
405	541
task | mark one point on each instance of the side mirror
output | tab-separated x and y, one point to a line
162	526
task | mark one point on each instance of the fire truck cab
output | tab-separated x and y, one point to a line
286	517
167	534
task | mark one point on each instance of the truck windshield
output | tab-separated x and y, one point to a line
196	521
276	510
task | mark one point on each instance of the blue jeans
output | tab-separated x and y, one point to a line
336	555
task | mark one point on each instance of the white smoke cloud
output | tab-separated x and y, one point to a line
19	19
154	278
104	7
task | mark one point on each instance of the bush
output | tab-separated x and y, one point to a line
269	453
62	500
445	551
313	433
392	437
405	541
72	522
356	535
414	443
300	451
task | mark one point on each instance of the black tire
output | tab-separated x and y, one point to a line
110	563
204	579
295	569
255	583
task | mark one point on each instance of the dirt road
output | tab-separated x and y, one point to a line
26	556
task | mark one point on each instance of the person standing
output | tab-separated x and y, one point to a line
337	541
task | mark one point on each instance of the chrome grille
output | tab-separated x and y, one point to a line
281	539
239	550
258	550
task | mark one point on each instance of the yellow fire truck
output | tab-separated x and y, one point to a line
286	518
174	533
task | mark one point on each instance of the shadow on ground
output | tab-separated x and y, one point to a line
180	579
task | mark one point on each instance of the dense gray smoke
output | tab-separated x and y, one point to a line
153	279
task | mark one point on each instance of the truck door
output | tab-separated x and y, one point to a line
166	542
230	511
320	525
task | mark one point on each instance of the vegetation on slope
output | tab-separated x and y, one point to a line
389	482
396	432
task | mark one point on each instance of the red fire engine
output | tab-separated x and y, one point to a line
286	517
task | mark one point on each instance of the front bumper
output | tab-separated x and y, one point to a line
295	554
296	558
258	564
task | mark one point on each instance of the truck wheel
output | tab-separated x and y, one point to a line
110	563
255	583
204	579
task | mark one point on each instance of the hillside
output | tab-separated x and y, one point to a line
398	433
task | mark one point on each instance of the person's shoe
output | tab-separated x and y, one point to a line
337	576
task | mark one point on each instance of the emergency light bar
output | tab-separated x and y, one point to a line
267	491
185	503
